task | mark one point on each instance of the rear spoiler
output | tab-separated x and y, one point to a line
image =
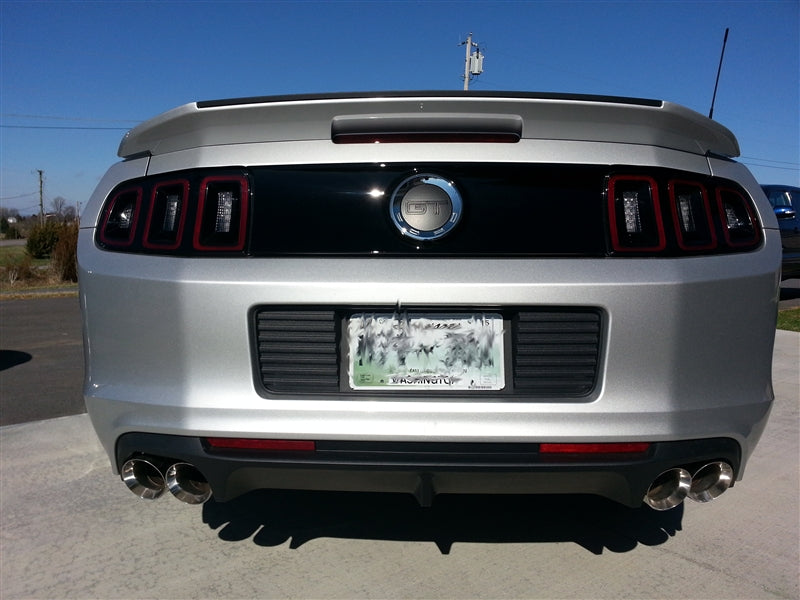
426	116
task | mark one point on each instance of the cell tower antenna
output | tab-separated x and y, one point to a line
473	61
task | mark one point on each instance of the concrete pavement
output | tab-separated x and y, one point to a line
70	529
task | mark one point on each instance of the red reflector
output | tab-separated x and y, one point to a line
256	444
612	448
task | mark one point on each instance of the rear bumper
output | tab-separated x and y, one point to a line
428	469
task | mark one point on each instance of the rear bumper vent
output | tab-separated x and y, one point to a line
555	354
298	351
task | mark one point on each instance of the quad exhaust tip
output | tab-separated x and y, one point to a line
145	479
669	489
673	486
185	481
711	481
187	484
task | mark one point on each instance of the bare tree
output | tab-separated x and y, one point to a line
58	204
6	213
69	214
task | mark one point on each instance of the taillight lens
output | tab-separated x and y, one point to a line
691	213
636	222
686	222
222	214
167	215
648	212
118	226
739	223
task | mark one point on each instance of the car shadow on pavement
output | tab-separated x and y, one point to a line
789	293
273	517
12	358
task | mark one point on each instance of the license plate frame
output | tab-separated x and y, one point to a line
424	351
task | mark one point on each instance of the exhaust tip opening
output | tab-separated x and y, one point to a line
669	489
143	478
711	481
187	483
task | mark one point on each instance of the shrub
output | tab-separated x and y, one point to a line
65	253
42	239
17	268
13	233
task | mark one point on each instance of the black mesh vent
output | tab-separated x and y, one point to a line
298	350
556	352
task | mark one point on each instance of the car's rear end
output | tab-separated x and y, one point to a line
430	293
785	200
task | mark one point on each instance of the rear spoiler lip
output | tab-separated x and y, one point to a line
428	94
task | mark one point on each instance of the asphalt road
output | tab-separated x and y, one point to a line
41	359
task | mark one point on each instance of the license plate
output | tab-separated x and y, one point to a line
418	351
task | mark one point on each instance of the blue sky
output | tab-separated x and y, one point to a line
75	75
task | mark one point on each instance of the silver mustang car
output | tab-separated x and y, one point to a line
430	293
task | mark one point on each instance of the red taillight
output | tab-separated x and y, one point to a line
649	212
739	223
635	216
263	445
691	213
222	214
118	226
602	448
703	216
167	215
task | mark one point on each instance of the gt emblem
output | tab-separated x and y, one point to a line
425	207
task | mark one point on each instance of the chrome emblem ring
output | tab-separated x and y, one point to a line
425	207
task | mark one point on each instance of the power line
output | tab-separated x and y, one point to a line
67	127
750	164
780	162
16	197
63	127
59	118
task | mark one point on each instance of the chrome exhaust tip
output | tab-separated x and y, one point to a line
669	489
711	481
143	478
187	483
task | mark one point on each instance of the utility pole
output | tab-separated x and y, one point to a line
41	196
473	62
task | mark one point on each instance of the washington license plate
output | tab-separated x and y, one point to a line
425	352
